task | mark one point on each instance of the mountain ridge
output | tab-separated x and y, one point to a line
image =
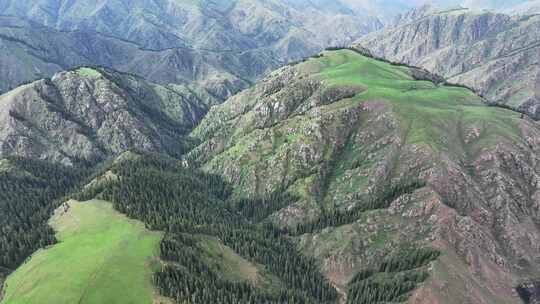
88	114
40	52
490	52
333	128
275	32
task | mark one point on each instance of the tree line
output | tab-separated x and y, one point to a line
185	202
393	279
29	193
380	199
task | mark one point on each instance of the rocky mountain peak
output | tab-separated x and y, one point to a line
413	15
89	113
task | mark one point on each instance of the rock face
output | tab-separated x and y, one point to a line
222	45
496	54
337	127
88	114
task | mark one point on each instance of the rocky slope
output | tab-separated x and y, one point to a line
496	54
89	114
338	128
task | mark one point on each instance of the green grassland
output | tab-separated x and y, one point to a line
102	257
233	267
89	72
428	112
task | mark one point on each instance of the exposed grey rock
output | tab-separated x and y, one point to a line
89	114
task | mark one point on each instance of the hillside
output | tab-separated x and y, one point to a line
494	53
212	249
380	161
89	114
30	192
113	258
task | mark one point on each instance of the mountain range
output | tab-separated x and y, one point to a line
339	129
378	161
209	43
326	152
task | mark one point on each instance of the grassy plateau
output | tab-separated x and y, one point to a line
427	111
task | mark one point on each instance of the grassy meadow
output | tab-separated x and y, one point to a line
427	111
101	257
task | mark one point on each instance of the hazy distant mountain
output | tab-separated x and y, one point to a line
223	46
528	7
218	25
31	51
501	5
388	9
495	5
491	5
